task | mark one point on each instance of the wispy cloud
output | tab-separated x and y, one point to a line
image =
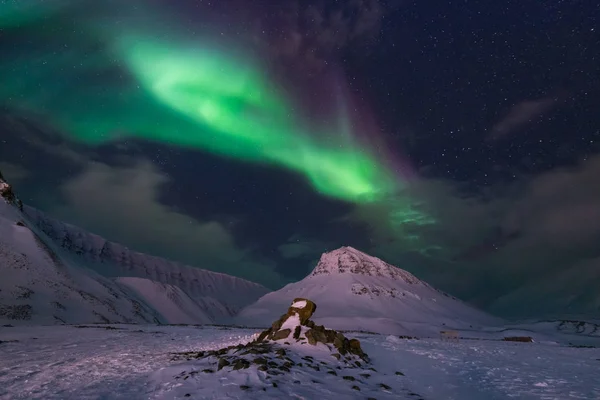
521	114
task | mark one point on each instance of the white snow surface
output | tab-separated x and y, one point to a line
53	273
355	291
134	362
299	304
172	303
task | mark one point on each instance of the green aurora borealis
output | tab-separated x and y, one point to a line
99	83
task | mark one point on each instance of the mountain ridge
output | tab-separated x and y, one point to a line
54	272
356	291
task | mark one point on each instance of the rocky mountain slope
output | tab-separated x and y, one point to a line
51	272
356	291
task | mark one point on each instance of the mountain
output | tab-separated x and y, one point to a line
356	291
52	272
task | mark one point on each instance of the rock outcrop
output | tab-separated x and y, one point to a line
6	192
295	326
296	346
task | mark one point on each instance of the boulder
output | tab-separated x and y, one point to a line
304	329
304	308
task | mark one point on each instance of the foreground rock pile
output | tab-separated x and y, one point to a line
295	351
305	331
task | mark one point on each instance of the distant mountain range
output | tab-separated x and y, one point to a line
53	272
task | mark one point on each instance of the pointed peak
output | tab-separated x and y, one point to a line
348	260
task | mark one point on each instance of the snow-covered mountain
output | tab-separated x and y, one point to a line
51	272
355	291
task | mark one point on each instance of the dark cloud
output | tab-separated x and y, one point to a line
13	172
122	204
491	247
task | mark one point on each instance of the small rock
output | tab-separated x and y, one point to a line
337	355
222	363
208	371
260	360
297	331
332	373
355	387
280	352
348	378
310	337
399	373
274	384
282	334
365	375
384	386
244	387
241	363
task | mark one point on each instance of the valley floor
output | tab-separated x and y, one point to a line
135	362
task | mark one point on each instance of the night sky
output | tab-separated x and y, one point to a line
458	140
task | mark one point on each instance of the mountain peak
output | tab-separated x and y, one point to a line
348	260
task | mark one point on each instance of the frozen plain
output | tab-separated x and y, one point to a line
136	362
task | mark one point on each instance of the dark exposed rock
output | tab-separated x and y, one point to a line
355	387
349	378
384	386
282	334
280	352
241	363
222	363
305	312
399	373
6	192
260	361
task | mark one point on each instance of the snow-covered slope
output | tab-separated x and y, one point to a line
114	260
355	291
37	286
172	303
51	272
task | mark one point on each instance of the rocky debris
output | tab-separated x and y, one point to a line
282	350
525	339
16	312
305	330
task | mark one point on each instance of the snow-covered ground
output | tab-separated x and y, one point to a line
136	362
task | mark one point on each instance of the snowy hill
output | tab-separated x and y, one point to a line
356	291
51	272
